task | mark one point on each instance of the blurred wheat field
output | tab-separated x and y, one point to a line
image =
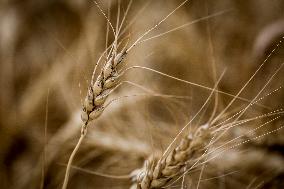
48	51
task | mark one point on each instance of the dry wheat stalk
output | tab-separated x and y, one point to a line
103	86
97	94
160	171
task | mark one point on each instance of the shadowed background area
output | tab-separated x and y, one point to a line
48	50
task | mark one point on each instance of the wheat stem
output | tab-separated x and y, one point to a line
69	164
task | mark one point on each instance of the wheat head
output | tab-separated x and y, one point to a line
160	171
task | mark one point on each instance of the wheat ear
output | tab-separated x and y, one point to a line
161	171
98	92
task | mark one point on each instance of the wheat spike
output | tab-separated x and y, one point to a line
160	171
97	93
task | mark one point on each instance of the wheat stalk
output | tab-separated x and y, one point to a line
97	93
103	86
160	171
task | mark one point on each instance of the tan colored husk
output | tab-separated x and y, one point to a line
93	105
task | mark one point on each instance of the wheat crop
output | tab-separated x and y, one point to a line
141	94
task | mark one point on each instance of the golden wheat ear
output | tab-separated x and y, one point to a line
93	105
161	171
98	91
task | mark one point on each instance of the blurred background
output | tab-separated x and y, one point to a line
48	50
